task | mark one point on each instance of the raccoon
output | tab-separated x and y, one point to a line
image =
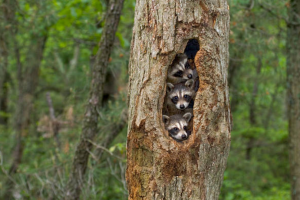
180	70
177	126
179	97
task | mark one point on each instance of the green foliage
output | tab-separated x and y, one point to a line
73	29
257	166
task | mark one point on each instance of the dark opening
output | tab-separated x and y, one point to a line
182	85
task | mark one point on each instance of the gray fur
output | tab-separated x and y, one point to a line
180	122
178	90
179	65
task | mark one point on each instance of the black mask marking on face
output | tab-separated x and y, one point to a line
173	131
187	98
174	99
179	74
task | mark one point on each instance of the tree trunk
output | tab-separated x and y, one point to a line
253	109
158	167
7	16
27	87
3	78
293	95
90	129
28	81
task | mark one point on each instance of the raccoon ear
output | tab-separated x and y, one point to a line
170	86
166	119
187	116
189	83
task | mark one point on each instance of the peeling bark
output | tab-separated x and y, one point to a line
158	167
293	95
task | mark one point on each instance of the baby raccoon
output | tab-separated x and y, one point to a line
177	126
179	97
180	70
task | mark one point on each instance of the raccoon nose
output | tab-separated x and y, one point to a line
181	106
184	137
190	76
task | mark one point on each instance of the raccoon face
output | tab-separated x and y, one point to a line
176	125
181	94
180	70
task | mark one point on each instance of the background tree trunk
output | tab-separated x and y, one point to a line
3	78
27	86
253	109
293	95
90	129
159	167
6	31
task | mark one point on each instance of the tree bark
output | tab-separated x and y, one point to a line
158	167
293	95
90	129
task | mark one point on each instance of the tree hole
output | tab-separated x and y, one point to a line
182	85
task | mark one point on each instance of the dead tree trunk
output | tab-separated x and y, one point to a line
293	94
90	128
158	167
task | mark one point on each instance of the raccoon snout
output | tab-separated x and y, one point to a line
182	106
190	76
184	137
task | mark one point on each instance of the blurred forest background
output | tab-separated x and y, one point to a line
59	38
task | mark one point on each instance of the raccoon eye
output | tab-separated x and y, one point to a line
175	99
185	128
186	96
175	129
178	74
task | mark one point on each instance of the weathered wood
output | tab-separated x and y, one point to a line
159	167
